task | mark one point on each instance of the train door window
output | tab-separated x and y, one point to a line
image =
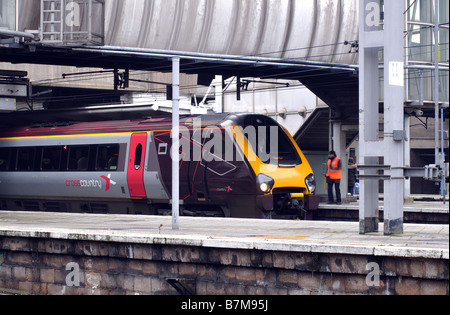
78	158
5	159
25	159
138	157
51	159
107	157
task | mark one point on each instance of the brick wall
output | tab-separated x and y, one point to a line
42	266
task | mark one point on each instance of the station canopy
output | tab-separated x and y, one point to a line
335	84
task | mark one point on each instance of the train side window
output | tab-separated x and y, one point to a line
138	157
5	159
25	159
78	158
107	157
51	159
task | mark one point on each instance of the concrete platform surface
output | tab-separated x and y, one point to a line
418	241
416	206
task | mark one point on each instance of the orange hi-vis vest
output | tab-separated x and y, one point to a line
334	171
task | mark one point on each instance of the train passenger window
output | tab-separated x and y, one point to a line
138	157
25	159
107	157
5	159
51	159
78	158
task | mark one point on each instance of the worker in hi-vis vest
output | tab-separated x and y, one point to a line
334	176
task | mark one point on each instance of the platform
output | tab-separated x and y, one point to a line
222	255
423	210
338	237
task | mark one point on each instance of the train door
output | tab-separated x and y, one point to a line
136	160
198	184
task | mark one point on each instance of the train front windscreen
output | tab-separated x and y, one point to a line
270	142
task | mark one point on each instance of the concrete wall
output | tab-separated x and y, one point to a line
40	265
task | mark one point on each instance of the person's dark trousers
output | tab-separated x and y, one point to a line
351	190
336	183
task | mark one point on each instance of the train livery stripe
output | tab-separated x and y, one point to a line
75	135
68	136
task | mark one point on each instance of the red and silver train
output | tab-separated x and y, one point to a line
234	165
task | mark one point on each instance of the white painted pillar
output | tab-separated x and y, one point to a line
371	40
394	132
218	94
340	146
373	36
175	143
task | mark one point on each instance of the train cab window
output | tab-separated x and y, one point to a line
25	159
138	157
78	158
107	157
5	159
270	142
51	159
282	152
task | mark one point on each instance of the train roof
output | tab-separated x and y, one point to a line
119	126
101	127
163	123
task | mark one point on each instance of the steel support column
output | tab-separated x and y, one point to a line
340	146
394	97
370	43
390	39
175	143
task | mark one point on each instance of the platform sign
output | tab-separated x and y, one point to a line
397	73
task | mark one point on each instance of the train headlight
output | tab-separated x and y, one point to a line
310	182
265	183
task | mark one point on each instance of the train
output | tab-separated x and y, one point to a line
230	165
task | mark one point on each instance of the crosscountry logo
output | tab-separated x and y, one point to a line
92	183
109	181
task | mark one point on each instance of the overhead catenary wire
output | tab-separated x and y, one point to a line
185	88
211	67
189	87
98	77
